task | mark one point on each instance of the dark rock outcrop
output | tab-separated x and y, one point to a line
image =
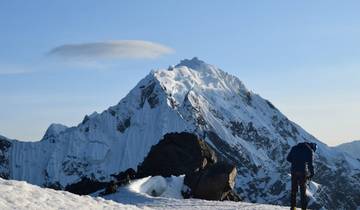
121	179
110	188
215	182
150	95
125	175
185	153
232	196
123	125
177	154
4	161
85	186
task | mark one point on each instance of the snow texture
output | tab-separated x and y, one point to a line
165	193
54	130
159	186
23	196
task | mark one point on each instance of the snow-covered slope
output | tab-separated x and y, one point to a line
24	196
351	148
196	97
165	193
54	130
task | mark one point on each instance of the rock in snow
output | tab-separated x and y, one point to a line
214	182
177	154
24	196
199	98
184	153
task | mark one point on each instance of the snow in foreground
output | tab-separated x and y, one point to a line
21	195
168	192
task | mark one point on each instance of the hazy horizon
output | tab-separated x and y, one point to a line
62	60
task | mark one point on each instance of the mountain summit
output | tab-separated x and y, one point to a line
193	63
193	96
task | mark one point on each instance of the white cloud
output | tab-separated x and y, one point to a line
119	49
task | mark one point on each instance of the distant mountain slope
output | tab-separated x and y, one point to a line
24	196
351	148
196	97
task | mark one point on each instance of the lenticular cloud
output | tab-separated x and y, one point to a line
120	49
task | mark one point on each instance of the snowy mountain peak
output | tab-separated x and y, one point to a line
195	97
199	78
194	63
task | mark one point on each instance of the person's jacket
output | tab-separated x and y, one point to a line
301	155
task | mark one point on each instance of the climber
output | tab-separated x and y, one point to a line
300	156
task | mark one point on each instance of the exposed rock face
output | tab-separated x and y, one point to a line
149	94
177	154
111	187
185	153
4	161
122	126
215	182
85	186
125	175
122	178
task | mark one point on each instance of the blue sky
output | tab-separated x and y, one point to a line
301	55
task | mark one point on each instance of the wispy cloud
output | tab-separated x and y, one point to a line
119	49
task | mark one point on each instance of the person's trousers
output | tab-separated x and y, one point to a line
298	179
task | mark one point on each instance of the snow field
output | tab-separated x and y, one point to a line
20	195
